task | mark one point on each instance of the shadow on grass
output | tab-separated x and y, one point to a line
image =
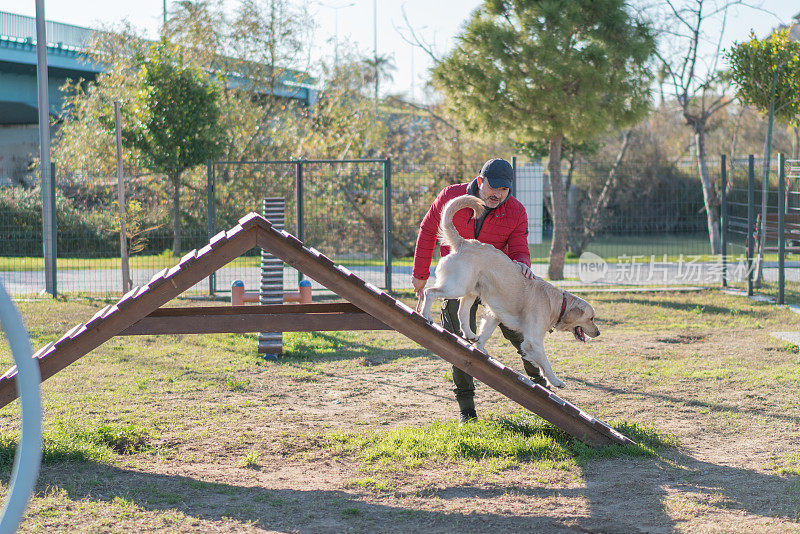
333	347
714	407
687	306
618	498
263	506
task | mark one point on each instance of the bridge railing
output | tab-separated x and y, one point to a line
20	27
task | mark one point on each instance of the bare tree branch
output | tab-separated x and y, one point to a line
415	40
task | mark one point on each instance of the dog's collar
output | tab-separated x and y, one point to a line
563	309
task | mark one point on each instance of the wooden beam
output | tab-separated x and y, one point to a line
217	320
317	307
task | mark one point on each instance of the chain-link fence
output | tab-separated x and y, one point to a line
645	221
334	206
87	222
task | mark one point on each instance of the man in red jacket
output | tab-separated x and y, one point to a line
505	226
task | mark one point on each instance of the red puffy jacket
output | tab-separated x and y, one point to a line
505	227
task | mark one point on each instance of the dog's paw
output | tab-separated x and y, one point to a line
556	383
478	346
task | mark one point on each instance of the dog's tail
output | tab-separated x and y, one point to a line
447	230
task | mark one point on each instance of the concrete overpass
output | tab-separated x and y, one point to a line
66	45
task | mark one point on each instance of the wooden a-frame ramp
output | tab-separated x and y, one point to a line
137	312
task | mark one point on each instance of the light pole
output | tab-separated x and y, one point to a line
336	29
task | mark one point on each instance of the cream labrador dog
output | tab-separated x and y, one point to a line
532	307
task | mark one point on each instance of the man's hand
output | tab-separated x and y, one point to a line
419	285
526	271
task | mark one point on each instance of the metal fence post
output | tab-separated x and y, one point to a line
46	170
49	231
514	176
723	208
298	181
751	186
781	224
212	223
387	223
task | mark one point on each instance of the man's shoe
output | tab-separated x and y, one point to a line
467	416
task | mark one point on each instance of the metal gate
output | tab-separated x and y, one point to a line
341	207
761	223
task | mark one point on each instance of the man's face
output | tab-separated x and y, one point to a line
493	197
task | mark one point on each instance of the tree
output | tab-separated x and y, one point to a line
767	75
378	68
176	120
549	69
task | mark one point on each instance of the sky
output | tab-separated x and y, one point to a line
438	22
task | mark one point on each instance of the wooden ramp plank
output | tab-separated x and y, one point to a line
433	337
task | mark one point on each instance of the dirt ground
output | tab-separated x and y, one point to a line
700	366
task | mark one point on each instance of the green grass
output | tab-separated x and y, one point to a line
501	440
371	484
67	441
251	460
787	464
611	248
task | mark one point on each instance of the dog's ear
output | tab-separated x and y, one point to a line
573	314
575	310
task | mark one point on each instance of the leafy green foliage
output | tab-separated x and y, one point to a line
767	71
76	225
176	116
536	69
177	112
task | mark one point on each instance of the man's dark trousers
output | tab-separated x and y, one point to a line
464	383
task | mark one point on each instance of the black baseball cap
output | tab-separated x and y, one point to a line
498	172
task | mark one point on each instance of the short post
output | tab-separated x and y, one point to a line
305	292
723	208
211	214
751	186
387	223
781	227
237	293
127	283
